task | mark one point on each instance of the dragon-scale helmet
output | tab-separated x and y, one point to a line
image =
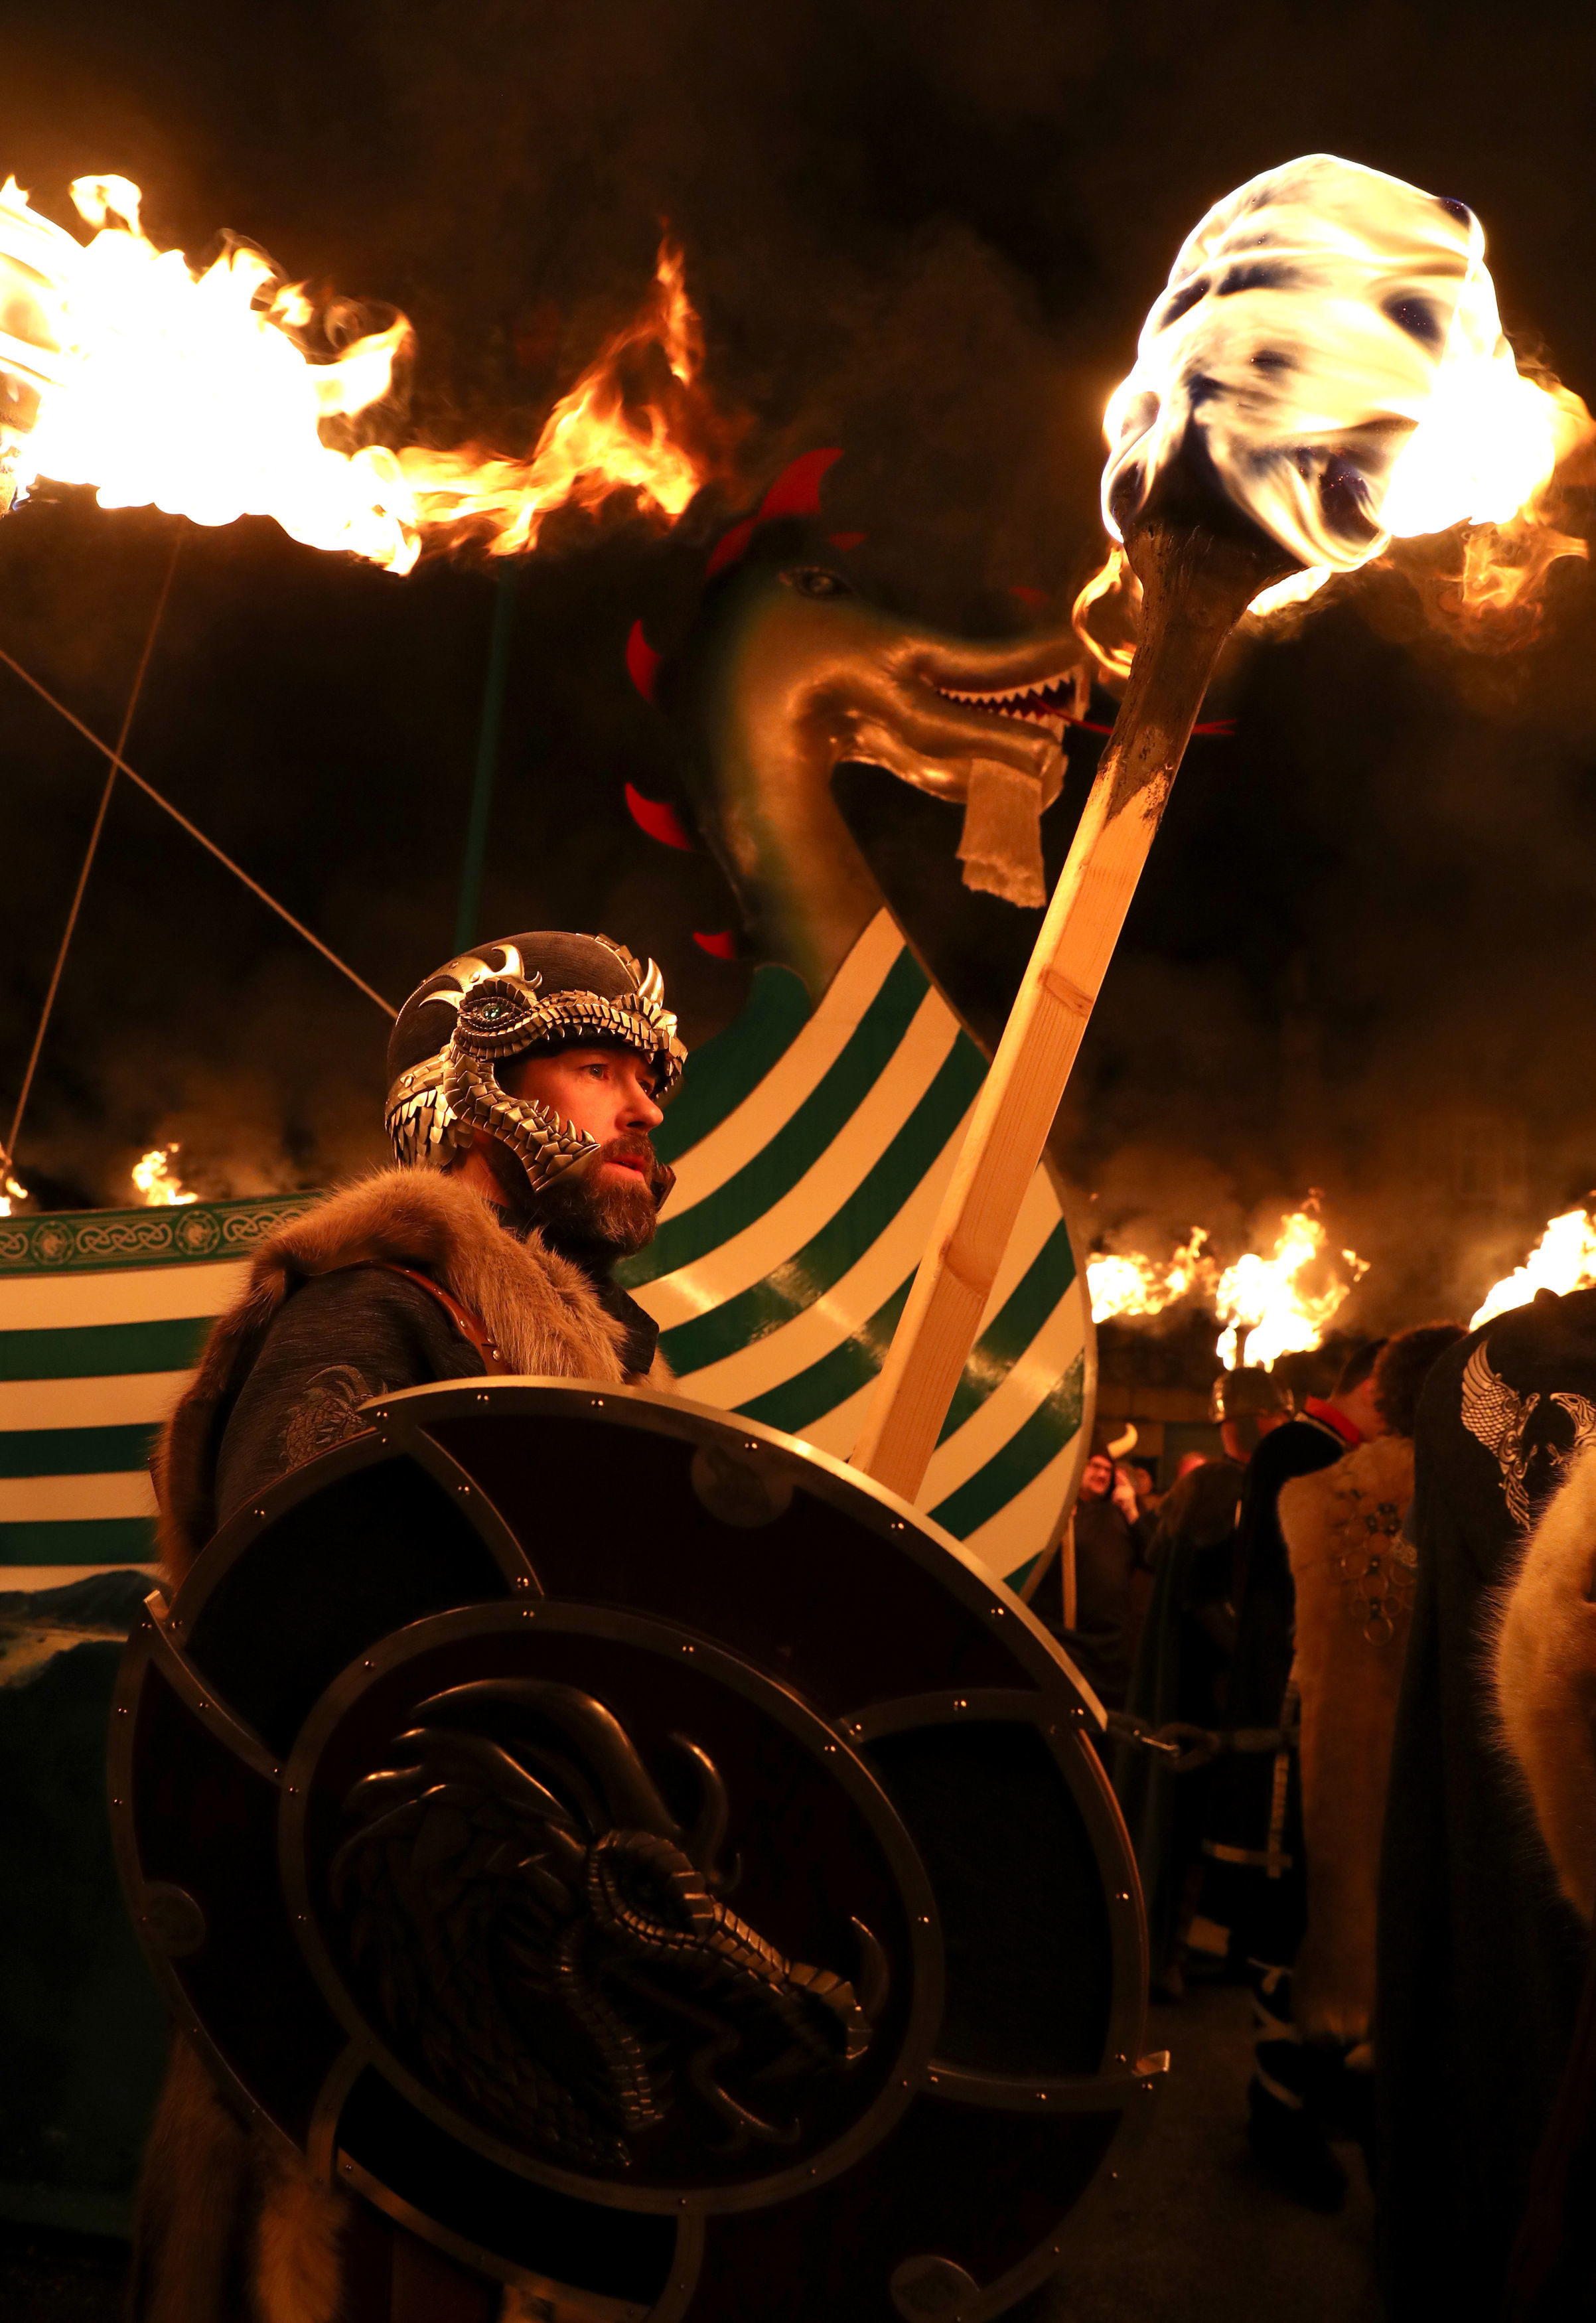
546	990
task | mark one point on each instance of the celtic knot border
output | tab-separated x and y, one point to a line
79	1241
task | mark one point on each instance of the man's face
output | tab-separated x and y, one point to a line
608	1093
1096	1477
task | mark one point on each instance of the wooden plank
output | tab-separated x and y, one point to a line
1196	584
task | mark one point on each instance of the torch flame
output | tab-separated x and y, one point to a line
1328	348
1283	1304
1123	1283
1273	1300
157	1182
1565	1259
124	369
12	1191
590	446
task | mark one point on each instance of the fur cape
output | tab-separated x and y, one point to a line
541	1313
230	2225
1543	1667
1337	1523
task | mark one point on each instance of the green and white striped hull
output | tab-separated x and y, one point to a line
811	1153
103	1315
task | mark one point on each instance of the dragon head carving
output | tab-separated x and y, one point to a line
790	672
555	1949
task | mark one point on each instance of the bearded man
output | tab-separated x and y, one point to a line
524	1081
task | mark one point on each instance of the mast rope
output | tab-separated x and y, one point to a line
9	1149
119	765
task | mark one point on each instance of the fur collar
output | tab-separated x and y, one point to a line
540	1310
1545	1670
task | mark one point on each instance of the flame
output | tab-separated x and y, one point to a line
1273	1300
12	1191
589	445
157	1182
125	371
1328	348
1112	580
1283	1303
1296	589
1565	1259
1126	1283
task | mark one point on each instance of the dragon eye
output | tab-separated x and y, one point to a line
816	580
494	1015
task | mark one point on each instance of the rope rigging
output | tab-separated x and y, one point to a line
118	765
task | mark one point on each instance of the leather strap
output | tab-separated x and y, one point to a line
470	1327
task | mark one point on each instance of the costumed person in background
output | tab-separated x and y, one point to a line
1480	1959
1353	1567
1182	1663
1111	1538
1546	1696
524	1080
1252	1884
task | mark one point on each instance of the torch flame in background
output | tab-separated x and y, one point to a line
157	1182
124	369
1274	1301
12	1191
1123	1283
1273	1306
1565	1259
1329	345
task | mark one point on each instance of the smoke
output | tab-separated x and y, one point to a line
1360	954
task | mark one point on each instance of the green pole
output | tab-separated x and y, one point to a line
487	733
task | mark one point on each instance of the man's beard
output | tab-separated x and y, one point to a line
602	1222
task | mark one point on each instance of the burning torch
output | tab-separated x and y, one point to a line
209	394
1325	370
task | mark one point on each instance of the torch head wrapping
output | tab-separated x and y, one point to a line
1327	358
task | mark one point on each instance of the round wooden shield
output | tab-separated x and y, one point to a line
642	1857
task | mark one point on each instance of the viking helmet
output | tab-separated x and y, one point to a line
546	991
1250	1394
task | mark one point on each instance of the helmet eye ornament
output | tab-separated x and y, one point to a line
498	1015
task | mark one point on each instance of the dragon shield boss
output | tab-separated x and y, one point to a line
642	1857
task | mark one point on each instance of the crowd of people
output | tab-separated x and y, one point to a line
1350	1669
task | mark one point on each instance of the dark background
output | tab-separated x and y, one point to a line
1360	956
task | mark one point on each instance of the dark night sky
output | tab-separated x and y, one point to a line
1360	958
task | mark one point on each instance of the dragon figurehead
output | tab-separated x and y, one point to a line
790	672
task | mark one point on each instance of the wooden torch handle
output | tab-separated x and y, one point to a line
1195	587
